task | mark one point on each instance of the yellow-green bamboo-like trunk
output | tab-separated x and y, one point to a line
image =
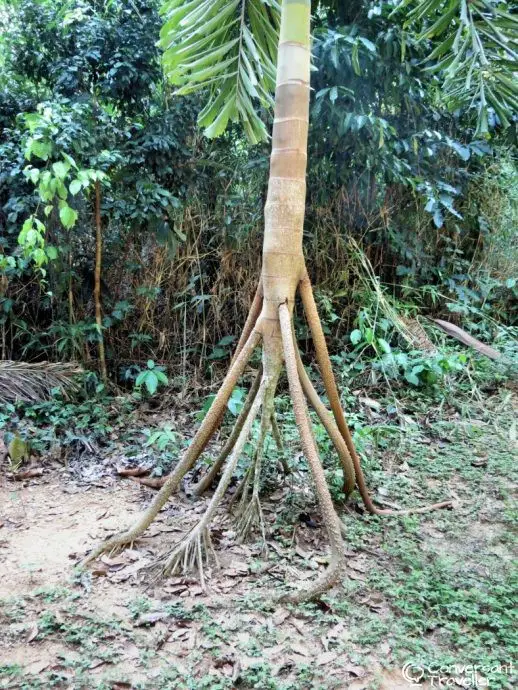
283	260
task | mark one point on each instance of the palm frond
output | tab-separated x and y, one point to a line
34	382
474	46
227	48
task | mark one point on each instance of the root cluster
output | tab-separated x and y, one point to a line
195	550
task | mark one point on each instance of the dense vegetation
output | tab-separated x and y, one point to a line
396	181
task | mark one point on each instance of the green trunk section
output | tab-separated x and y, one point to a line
295	22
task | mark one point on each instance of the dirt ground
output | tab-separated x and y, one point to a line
46	527
115	627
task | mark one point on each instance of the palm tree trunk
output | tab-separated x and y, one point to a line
283	259
271	321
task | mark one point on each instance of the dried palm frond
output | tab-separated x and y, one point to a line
34	382
466	339
420	338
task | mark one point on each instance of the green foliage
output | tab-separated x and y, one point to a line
420	369
427	198
229	48
66	423
151	378
234	405
223	348
474	49
161	438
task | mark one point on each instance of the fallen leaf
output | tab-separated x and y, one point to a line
303	554
133	471
280	616
28	474
181	634
299	625
355	670
98	662
36	667
150	618
359	565
299	649
479	462
100	571
115	563
33	634
373	404
153	483
224	660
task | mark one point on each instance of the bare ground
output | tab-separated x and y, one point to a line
47	525
116	627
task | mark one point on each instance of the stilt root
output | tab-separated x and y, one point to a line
195	550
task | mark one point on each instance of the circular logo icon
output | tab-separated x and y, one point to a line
413	673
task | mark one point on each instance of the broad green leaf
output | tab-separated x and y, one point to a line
33	174
151	382
60	170
356	60
356	336
140	378
75	186
41	149
384	345
67	216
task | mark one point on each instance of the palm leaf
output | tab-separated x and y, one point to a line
34	382
228	49
474	46
462	336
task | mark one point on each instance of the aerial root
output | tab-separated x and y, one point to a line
326	370
188	556
251	321
207	481
189	552
330	517
328	422
249	512
202	437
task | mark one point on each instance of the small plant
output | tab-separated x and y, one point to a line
151	378
234	404
223	349
161	438
418	368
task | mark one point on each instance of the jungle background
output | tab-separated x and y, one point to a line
411	216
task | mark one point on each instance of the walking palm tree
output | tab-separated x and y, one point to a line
239	52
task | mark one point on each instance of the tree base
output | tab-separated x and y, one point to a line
279	345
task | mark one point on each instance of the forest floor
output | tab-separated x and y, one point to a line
425	599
